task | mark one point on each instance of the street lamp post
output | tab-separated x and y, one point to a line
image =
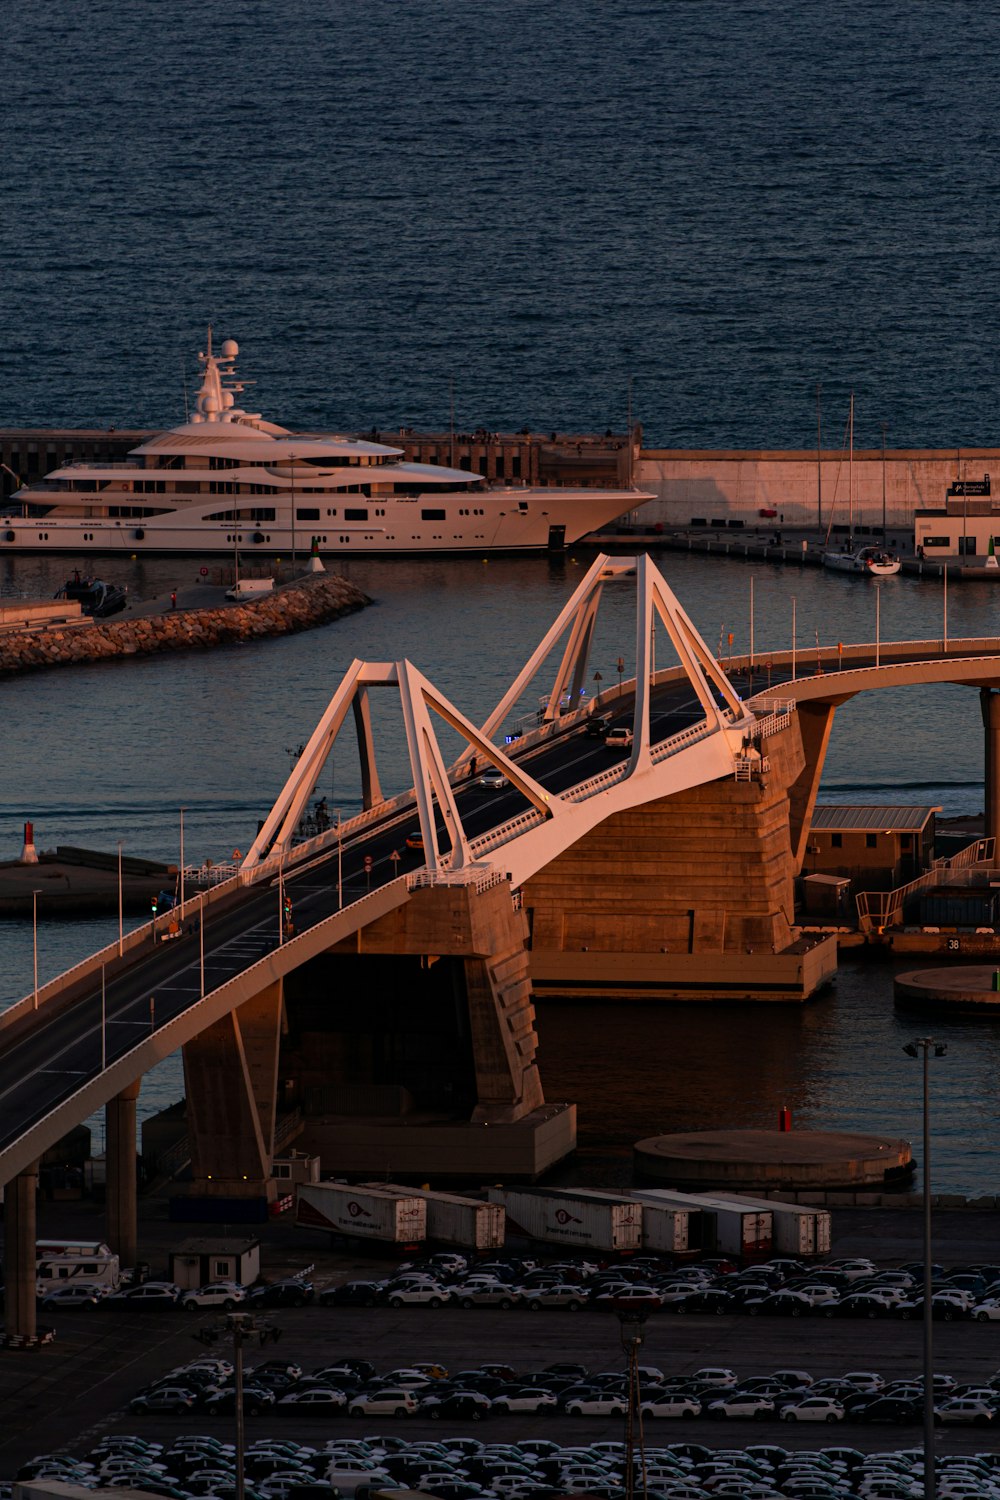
631	1321
291	473
241	1326
183	810
926	1045
794	603
34	945
121	903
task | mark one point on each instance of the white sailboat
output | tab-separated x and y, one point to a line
874	561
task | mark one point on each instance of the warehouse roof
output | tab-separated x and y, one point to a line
876	816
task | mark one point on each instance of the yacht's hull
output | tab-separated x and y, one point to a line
516	520
870	567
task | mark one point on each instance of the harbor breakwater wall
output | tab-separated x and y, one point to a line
800	488
298	606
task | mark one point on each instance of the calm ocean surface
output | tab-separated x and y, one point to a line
532	199
528	205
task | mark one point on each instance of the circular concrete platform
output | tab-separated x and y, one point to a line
758	1160
967	989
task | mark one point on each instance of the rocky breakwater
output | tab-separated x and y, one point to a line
297	606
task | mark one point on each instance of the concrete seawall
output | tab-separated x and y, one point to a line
299	606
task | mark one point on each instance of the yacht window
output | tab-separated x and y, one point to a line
307	513
355	515
432	515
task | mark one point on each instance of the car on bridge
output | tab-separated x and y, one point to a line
620	737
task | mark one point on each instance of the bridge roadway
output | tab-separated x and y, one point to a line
62	1049
45	1060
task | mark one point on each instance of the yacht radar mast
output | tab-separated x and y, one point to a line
216	398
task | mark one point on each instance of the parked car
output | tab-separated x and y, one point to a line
419	1294
313	1401
813	1409
149	1294
290	1293
495	1294
395	1402
898	1410
76	1294
470	1406
569	1295
170	1398
670	1404
596	1404
529	1398
966	1411
224	1294
351	1294
740	1405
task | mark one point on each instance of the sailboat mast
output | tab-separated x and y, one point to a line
850	471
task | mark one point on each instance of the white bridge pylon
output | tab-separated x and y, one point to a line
434	783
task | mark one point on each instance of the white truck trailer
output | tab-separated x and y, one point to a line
799	1228
725	1227
564	1216
361	1213
665	1229
468	1223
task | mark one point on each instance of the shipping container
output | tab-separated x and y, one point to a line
362	1213
453	1220
959	906
798	1228
725	1228
665	1229
564	1217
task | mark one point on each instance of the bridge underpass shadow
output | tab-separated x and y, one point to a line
410	1049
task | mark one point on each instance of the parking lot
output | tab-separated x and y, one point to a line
69	1393
79	1388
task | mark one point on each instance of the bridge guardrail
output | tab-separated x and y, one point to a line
108	956
483	877
175	1023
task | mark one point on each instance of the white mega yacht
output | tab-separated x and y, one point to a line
227	478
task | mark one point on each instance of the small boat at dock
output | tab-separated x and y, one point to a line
877	562
96	598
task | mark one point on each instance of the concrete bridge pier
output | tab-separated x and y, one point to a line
989	700
231	1078
20	1234
121	1194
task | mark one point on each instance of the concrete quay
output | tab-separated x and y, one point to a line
747	1160
147	631
80	882
966	990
